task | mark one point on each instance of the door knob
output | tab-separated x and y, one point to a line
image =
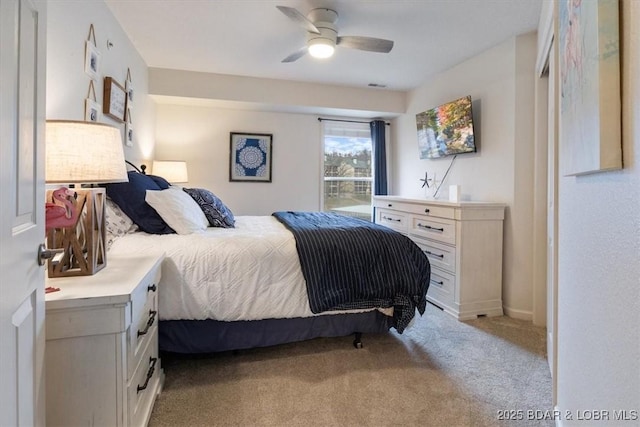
53	254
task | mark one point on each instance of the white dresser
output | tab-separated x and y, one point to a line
463	241
102	362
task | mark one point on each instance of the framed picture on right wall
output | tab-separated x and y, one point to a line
590	102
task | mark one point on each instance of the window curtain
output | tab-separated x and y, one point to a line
379	157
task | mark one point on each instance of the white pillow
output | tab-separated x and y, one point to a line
178	210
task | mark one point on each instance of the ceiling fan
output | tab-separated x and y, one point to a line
322	35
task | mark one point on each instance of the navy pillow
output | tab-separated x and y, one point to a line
130	197
162	183
216	212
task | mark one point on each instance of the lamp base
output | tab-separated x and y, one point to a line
83	244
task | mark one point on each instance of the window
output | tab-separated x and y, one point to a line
348	169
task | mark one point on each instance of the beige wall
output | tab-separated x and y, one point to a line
501	84
67	84
599	265
200	136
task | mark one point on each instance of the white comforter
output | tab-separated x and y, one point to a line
249	272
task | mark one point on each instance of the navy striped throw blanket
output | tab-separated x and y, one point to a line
349	263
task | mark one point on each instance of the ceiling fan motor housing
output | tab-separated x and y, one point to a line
324	20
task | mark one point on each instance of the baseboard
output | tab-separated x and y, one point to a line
518	314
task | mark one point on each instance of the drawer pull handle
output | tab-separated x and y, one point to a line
390	219
426	211
435	282
152	288
431	253
152	368
428	227
390	205
152	318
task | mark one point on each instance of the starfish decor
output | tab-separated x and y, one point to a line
425	181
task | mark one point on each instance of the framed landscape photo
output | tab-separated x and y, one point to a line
115	99
250	158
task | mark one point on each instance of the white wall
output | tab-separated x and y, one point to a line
599	265
501	84
200	135
67	84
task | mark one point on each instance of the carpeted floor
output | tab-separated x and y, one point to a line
440	372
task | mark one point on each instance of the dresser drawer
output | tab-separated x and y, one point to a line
396	220
441	256
144	383
144	317
448	212
433	211
440	229
441	286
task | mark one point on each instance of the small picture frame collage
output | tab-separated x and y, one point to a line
129	133
117	101
92	60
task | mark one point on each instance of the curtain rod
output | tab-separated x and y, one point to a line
348	121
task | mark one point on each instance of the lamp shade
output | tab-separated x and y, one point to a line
83	152
171	170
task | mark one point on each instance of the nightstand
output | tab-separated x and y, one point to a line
102	363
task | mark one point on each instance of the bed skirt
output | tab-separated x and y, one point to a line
209	336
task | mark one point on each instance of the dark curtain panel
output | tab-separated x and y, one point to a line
379	157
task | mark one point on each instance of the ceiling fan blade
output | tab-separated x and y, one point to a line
365	43
296	55
298	17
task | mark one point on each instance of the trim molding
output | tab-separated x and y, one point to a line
518	314
545	37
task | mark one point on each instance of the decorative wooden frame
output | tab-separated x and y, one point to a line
250	157
590	102
83	245
115	98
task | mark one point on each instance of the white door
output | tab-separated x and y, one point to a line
552	223
22	90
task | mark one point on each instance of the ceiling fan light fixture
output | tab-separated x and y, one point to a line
321	48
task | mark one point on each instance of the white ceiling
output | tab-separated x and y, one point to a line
251	37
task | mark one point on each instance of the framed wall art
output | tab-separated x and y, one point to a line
91	106
590	103
250	158
91	56
91	110
128	130
115	99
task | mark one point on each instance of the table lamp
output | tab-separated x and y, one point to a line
174	171
80	153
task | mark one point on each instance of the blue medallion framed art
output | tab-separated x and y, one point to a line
250	158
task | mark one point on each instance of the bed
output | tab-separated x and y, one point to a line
254	284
